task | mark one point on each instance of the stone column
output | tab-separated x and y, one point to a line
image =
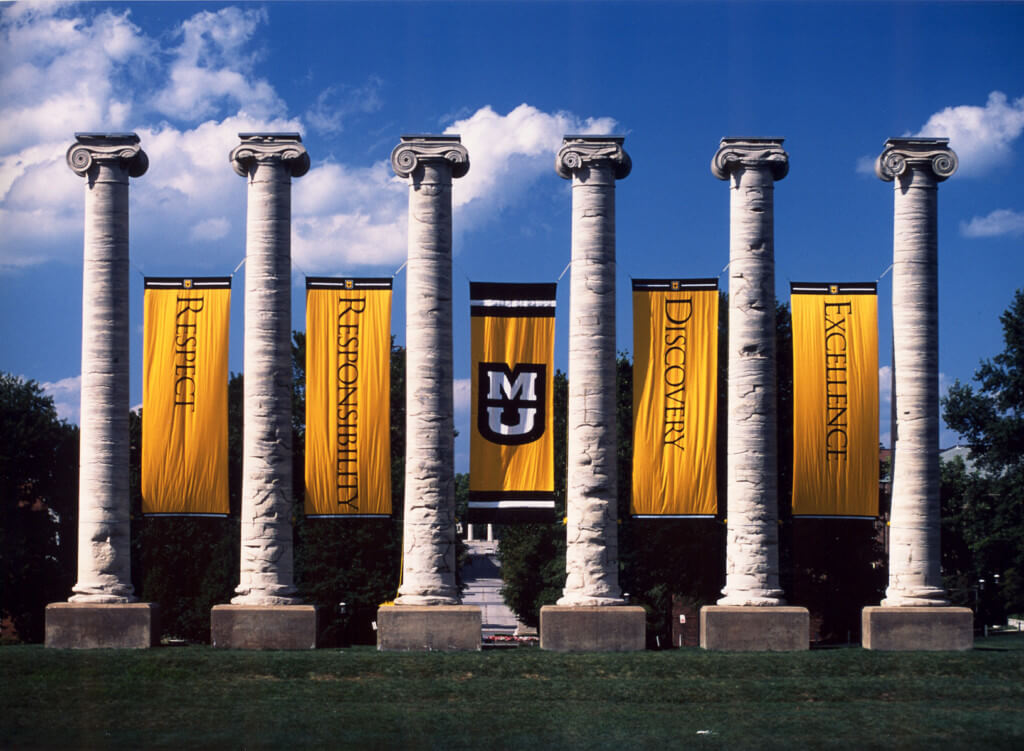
913	614
429	615
428	575
592	550
268	161
752	165
106	161
593	164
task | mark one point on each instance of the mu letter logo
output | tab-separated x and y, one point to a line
510	402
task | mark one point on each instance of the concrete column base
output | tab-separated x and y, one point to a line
80	625
263	626
917	629
777	628
605	628
429	628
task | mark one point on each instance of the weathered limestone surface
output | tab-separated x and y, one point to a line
751	165
269	161
89	625
104	565
263	626
428	574
593	163
593	628
917	629
747	629
915	166
414	628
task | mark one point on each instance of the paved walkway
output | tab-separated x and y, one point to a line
482	574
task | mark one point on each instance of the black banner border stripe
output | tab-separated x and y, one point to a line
665	285
178	282
339	282
825	288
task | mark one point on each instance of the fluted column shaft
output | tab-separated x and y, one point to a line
752	544
269	162
104	527
428	573
915	166
592	557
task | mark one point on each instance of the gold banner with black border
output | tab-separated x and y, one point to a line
675	398
186	323
511	476
348	397
835	399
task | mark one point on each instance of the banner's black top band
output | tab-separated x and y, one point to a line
499	300
343	282
673	285
512	291
833	288
187	282
504	311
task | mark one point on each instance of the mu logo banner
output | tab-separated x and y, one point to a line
348	397
835	399
511	476
675	397
185	396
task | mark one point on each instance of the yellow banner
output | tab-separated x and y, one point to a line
835	399
512	445
185	396
348	397
675	397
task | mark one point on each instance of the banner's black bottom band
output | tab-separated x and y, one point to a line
183	513
529	515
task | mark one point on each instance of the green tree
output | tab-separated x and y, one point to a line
533	555
188	564
341	560
986	508
38	505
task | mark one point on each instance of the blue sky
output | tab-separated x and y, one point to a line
834	79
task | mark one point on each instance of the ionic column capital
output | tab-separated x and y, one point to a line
578	152
417	150
750	153
122	149
931	154
262	148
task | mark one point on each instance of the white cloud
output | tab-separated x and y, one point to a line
68	69
866	165
346	216
997	223
338	103
212	69
462	389
67	397
213	228
507	153
980	136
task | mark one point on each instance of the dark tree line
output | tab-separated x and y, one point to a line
833	567
38	505
983	507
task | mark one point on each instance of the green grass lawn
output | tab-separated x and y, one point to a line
188	697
